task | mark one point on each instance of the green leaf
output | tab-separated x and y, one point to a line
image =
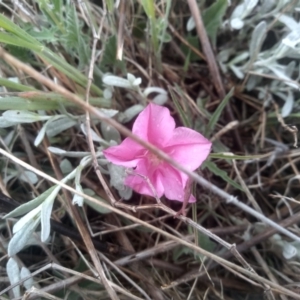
7	103
236	157
109	54
34	100
18	37
212	18
11	27
110	5
14	86
204	242
98	207
217	171
149	8
190	55
44	34
19	42
179	251
216	115
183	116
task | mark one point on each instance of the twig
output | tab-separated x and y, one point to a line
120	39
180	215
291	128
212	256
118	270
231	125
161	154
54	266
246	189
75	99
87	238
212	65
265	267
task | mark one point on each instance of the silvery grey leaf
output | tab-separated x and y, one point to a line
108	113
292	39
95	137
160	99
154	89
288	105
288	21
130	113
4	123
23	116
31	215
66	166
57	126
13	273
238	11
28	284
117	178
249	5
190	25
279	72
237	23
110	133
125	193
77	199
29	206
130	77
20	239
290	68
62	152
107	93
257	39
239	58
46	210
28	176
97	206
238	73
40	135
266	6
116	81
252	82
289	251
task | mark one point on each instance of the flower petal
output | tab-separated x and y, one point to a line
140	184
127	154
188	147
172	183
154	124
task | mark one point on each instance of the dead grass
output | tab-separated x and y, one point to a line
227	247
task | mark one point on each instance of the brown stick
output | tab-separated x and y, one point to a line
212	65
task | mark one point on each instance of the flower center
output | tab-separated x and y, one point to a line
153	159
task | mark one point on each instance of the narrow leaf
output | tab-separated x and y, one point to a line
149	8
46	214
13	273
258	36
216	115
23	222
15	86
212	18
28	284
214	169
20	239
26	207
20	116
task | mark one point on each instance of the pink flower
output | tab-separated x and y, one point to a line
186	146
